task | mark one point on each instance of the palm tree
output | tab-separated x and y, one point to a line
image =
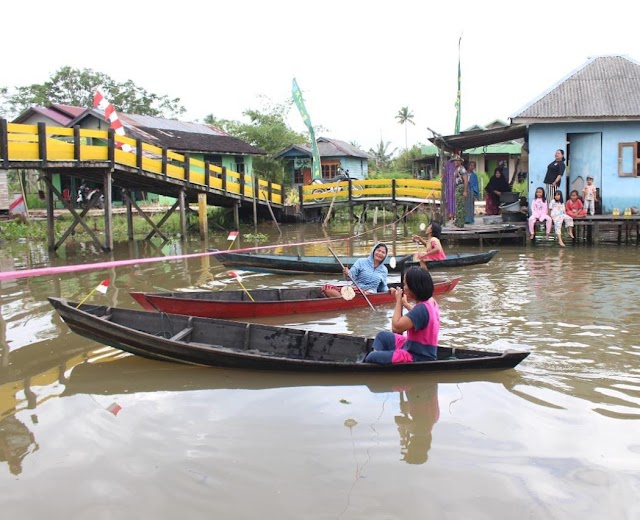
380	154
405	116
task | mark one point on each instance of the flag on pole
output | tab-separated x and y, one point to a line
459	94
232	235
235	275
316	171
104	285
114	408
110	114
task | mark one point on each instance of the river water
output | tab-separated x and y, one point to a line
89	432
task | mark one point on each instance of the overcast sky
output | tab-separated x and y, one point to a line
356	62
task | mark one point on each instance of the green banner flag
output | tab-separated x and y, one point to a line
316	171
459	94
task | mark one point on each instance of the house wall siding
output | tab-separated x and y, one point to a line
358	168
4	191
617	192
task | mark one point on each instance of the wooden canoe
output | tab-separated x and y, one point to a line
266	302
292	264
234	344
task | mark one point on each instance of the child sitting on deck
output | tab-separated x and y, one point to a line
559	216
574	206
539	211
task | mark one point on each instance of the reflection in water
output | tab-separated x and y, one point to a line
419	412
581	323
16	442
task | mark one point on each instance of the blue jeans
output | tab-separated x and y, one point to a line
384	344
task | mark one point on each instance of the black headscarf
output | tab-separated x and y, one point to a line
498	183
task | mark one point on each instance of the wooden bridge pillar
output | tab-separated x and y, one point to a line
108	211
183	215
126	196
51	234
202	215
236	214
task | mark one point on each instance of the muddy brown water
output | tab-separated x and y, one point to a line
88	432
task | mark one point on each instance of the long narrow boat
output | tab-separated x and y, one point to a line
292	264
234	344
263	302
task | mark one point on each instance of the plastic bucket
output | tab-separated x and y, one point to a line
510	208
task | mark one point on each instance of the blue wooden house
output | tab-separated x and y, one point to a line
335	156
593	114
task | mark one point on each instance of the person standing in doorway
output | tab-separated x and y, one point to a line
555	171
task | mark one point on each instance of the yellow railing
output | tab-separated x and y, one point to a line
28	143
429	191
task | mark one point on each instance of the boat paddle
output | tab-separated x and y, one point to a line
352	280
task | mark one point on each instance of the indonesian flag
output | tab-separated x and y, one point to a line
114	408
235	275
104	285
232	235
100	102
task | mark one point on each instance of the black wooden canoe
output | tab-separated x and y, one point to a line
223	343
292	264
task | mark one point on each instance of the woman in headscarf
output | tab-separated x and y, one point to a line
496	186
473	194
368	273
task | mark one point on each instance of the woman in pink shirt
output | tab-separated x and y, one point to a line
421	323
539	212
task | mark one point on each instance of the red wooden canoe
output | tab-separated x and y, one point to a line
267	302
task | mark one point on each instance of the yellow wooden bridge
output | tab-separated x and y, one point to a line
102	157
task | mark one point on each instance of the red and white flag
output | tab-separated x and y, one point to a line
114	408
235	275
104	285
110	114
232	235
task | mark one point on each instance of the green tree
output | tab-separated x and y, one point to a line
381	156
405	160
267	129
405	116
69	86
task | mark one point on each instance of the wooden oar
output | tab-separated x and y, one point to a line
354	282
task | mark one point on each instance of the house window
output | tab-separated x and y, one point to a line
214	159
628	160
239	164
298	176
330	169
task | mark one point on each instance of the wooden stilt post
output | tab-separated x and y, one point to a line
202	215
183	215
108	213
236	213
51	239
126	194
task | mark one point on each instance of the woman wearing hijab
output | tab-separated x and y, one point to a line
473	194
369	273
496	186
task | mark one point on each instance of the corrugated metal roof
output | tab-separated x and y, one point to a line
604	87
327	148
160	123
69	110
502	148
54	115
468	140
